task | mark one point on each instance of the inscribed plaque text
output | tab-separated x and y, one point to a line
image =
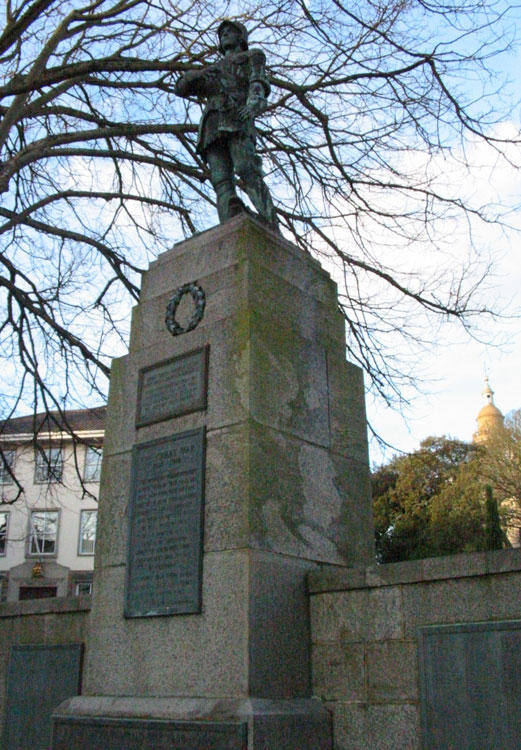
165	533
169	389
136	734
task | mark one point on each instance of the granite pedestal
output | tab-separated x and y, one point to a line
278	485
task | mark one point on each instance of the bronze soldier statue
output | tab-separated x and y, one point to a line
236	88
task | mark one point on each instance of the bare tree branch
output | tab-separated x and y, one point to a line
99	171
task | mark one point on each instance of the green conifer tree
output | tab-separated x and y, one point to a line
493	531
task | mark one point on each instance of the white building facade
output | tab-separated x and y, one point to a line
48	530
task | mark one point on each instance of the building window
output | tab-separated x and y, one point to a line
88	522
83	587
7	457
49	465
4	524
44	532
37	592
92	464
3	587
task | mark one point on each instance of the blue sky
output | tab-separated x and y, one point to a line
453	371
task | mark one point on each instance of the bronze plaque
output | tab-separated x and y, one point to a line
470	685
173	387
39	678
152	734
164	560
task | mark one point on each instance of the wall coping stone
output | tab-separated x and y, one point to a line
415	571
52	605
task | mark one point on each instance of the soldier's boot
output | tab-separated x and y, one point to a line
228	202
236	206
259	195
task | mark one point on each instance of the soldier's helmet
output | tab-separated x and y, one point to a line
240	28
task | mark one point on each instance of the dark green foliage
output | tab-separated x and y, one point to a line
430	502
493	533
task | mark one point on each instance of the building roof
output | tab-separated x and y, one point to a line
71	420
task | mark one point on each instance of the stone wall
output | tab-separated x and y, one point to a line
46	622
364	632
365	636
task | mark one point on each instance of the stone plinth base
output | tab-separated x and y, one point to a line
269	419
286	474
89	723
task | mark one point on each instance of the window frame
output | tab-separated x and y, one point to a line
80	537
89	449
77	584
6	535
43	462
40	554
5	477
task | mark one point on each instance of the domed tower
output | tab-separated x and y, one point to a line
489	417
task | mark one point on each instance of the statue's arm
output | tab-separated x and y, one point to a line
259	87
196	83
256	101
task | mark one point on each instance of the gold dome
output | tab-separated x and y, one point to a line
489	417
489	410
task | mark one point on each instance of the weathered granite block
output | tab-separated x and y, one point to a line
291	385
244	285
221	246
358	726
505	596
227	513
363	615
224	299
339	672
193	655
306	730
32	632
279	639
392	671
111	542
250	639
459	600
348	422
305	498
119	432
453	566
503	560
281	302
202	255
337	578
